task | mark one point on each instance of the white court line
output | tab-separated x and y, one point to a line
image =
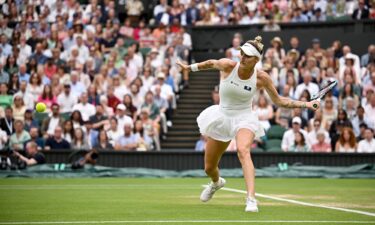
302	203
93	186
189	221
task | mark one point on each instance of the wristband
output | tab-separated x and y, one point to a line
194	67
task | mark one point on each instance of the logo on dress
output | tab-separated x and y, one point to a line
234	83
247	88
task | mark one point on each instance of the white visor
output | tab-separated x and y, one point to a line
250	50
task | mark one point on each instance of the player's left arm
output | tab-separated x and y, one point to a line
264	81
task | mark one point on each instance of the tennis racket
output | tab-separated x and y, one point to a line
323	92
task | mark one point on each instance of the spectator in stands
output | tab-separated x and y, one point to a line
47	97
4	76
150	127
361	12
32	155
346	141
358	120
103	141
299	144
131	110
34	137
99	120
318	16
19	137
114	132
265	112
298	17
284	115
3	139
121	117
22	90
79	141
200	145
68	131
233	52
152	108
7	123
289	135
145	142
370	111
329	112
322	144
271	25
312	136
367	144
57	142
307	84
84	107
128	141
18	107
29	121
276	53
50	123
67	99
369	57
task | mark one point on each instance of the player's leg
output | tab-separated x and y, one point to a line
214	151
244	138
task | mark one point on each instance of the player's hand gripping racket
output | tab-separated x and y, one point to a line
323	92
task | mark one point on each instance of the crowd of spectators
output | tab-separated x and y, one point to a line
260	12
106	84
346	120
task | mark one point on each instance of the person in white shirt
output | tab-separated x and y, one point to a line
3	138
312	135
370	112
367	145
289	135
166	90
66	99
307	84
25	51
76	85
82	49
114	133
28	98
122	119
347	50
84	107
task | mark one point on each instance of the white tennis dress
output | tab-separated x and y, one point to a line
222	122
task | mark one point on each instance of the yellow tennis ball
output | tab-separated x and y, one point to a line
40	107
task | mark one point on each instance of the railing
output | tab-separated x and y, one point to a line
178	160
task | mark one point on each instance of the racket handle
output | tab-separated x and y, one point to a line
316	105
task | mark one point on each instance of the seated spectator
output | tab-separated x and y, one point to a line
99	120
7	123
32	155
3	139
151	128
322	144
50	123
57	142
47	97
284	115
29	121
312	136
289	135
337	125
76	118
35	87
361	12
67	99
18	107
5	98
145	142
370	112
276	53
264	111
114	132
367	144
362	129
200	145
84	107
307	84
68	131
329	113
131	110
347	141
152	108
103	141
128	141
79	141
122	119
299	143
108	111
27	97
19	137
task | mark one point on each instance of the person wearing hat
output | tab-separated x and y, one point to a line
289	135
233	118
276	53
121	116
66	99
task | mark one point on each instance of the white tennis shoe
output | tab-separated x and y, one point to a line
251	205
211	188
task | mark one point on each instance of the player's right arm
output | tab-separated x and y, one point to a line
225	65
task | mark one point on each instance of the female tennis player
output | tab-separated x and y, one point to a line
234	118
